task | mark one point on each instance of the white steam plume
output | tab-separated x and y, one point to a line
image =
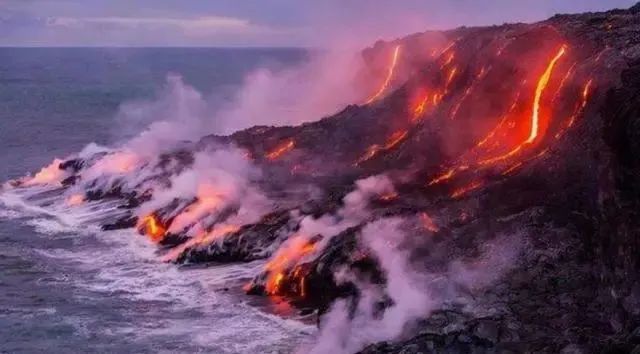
413	294
219	179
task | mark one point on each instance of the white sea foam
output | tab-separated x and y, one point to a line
125	264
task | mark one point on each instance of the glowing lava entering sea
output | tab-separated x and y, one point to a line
287	257
151	226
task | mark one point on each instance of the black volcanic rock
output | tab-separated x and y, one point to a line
249	243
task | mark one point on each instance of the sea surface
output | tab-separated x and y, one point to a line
66	286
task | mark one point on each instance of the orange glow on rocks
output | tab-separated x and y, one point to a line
151	226
203	238
585	93
373	150
287	256
280	150
428	223
447	175
389	197
535	115
542	85
466	189
51	174
390	74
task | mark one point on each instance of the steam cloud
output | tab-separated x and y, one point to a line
412	294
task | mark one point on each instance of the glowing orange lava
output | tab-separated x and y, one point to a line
448	60
373	150
395	139
501	123
428	223
466	189
75	199
512	168
288	255
542	85
281	149
585	93
564	80
535	116
389	196
450	77
152	227
202	238
447	175
449	46
390	74
417	112
51	174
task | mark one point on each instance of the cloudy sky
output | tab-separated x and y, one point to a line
255	22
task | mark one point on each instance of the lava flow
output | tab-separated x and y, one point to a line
374	149
535	115
152	227
288	255
203	238
209	199
390	74
51	174
533	135
280	150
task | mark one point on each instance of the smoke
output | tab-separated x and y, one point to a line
179	113
320	86
411	294
49	174
217	180
353	212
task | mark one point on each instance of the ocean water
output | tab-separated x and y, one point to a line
66	286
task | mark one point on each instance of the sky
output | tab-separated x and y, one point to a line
243	23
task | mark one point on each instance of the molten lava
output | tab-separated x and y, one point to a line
389	196
585	93
467	92
152	227
209	199
203	238
289	254
51	174
535	115
390	74
542	85
466	189
281	149
450	76
447	175
374	149
420	107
